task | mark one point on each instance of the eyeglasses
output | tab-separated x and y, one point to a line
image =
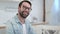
24	7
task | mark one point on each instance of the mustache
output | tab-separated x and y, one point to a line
25	11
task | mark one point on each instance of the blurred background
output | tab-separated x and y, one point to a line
44	12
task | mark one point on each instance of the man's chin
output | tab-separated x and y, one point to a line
24	16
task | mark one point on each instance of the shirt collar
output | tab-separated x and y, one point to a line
17	20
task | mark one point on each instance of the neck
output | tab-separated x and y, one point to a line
21	19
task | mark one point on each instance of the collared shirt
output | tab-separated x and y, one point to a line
15	27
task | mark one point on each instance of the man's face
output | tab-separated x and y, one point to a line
24	10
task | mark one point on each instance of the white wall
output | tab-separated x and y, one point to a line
48	4
7	10
37	10
52	12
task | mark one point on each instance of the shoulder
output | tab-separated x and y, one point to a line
27	21
8	22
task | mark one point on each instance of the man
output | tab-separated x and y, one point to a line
19	24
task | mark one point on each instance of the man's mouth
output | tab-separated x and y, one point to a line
25	12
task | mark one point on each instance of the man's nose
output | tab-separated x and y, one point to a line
27	9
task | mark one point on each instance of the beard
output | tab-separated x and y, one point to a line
24	15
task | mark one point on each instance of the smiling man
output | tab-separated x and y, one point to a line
19	24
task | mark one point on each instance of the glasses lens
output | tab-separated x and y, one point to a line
24	7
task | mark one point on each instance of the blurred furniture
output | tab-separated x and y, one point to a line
46	29
2	29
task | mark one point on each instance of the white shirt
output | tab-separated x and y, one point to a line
24	28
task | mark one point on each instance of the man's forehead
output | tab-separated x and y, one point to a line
26	4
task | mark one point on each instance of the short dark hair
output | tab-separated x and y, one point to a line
24	1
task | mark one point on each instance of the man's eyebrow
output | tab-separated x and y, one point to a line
26	6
